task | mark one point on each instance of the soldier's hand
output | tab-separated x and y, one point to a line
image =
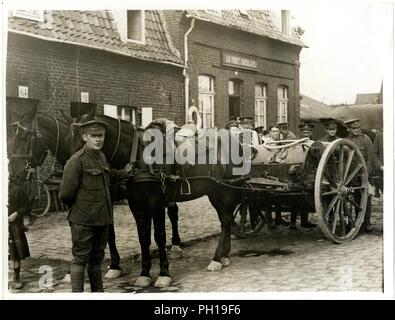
12	216
128	167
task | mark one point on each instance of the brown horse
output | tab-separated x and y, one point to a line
151	187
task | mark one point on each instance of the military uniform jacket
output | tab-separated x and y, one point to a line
290	136
85	188
366	146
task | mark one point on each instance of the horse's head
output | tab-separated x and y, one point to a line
26	148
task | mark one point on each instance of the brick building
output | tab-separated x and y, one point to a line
239	63
122	62
139	65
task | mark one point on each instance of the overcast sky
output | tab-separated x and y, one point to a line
348	48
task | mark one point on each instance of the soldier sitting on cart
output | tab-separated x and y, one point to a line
331	130
285	134
366	147
306	131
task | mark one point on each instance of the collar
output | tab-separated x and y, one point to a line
93	153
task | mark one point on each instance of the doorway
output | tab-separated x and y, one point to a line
234	91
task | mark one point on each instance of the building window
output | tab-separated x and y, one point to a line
136	25
282	104
206	100
260	105
35	15
120	112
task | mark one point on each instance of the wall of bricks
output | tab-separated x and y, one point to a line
55	71
278	65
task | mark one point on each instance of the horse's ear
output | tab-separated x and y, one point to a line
66	117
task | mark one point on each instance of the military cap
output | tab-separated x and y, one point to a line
232	123
246	119
260	129
330	123
352	123
94	126
282	125
306	126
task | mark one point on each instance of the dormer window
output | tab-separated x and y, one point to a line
35	15
136	26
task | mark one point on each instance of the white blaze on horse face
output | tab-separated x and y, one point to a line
153	152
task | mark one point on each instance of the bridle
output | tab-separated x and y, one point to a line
34	136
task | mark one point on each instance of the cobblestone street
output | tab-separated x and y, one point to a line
277	260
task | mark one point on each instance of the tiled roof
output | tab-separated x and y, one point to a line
367	98
258	22
313	109
97	29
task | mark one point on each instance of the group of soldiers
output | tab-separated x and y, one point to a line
372	153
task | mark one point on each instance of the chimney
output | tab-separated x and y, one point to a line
285	16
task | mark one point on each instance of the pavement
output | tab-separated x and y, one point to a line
277	260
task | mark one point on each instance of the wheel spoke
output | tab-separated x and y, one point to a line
352	175
330	193
336	216
348	164
341	215
358	188
331	205
330	180
341	164
356	205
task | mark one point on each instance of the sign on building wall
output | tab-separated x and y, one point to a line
23	92
240	61
85	97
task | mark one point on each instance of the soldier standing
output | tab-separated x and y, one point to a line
306	131
366	147
85	189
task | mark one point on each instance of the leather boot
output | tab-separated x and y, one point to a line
77	277
366	222
95	278
17	284
292	225
304	220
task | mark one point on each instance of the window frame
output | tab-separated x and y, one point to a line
282	104
24	14
261	99
120	110
202	92
142	25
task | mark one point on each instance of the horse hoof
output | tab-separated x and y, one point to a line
214	266
143	282
176	252
66	279
163	282
225	261
113	274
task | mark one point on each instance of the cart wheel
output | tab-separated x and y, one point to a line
42	204
341	190
247	220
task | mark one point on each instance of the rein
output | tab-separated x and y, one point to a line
118	139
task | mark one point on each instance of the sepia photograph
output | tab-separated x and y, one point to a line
197	150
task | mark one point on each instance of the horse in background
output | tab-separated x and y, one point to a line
150	189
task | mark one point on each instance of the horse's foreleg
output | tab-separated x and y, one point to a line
115	269
164	278
144	231
172	212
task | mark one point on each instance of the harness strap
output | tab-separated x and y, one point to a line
133	152
118	139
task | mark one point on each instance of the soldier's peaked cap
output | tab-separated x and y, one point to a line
330	123
93	126
306	126
282	124
352	123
